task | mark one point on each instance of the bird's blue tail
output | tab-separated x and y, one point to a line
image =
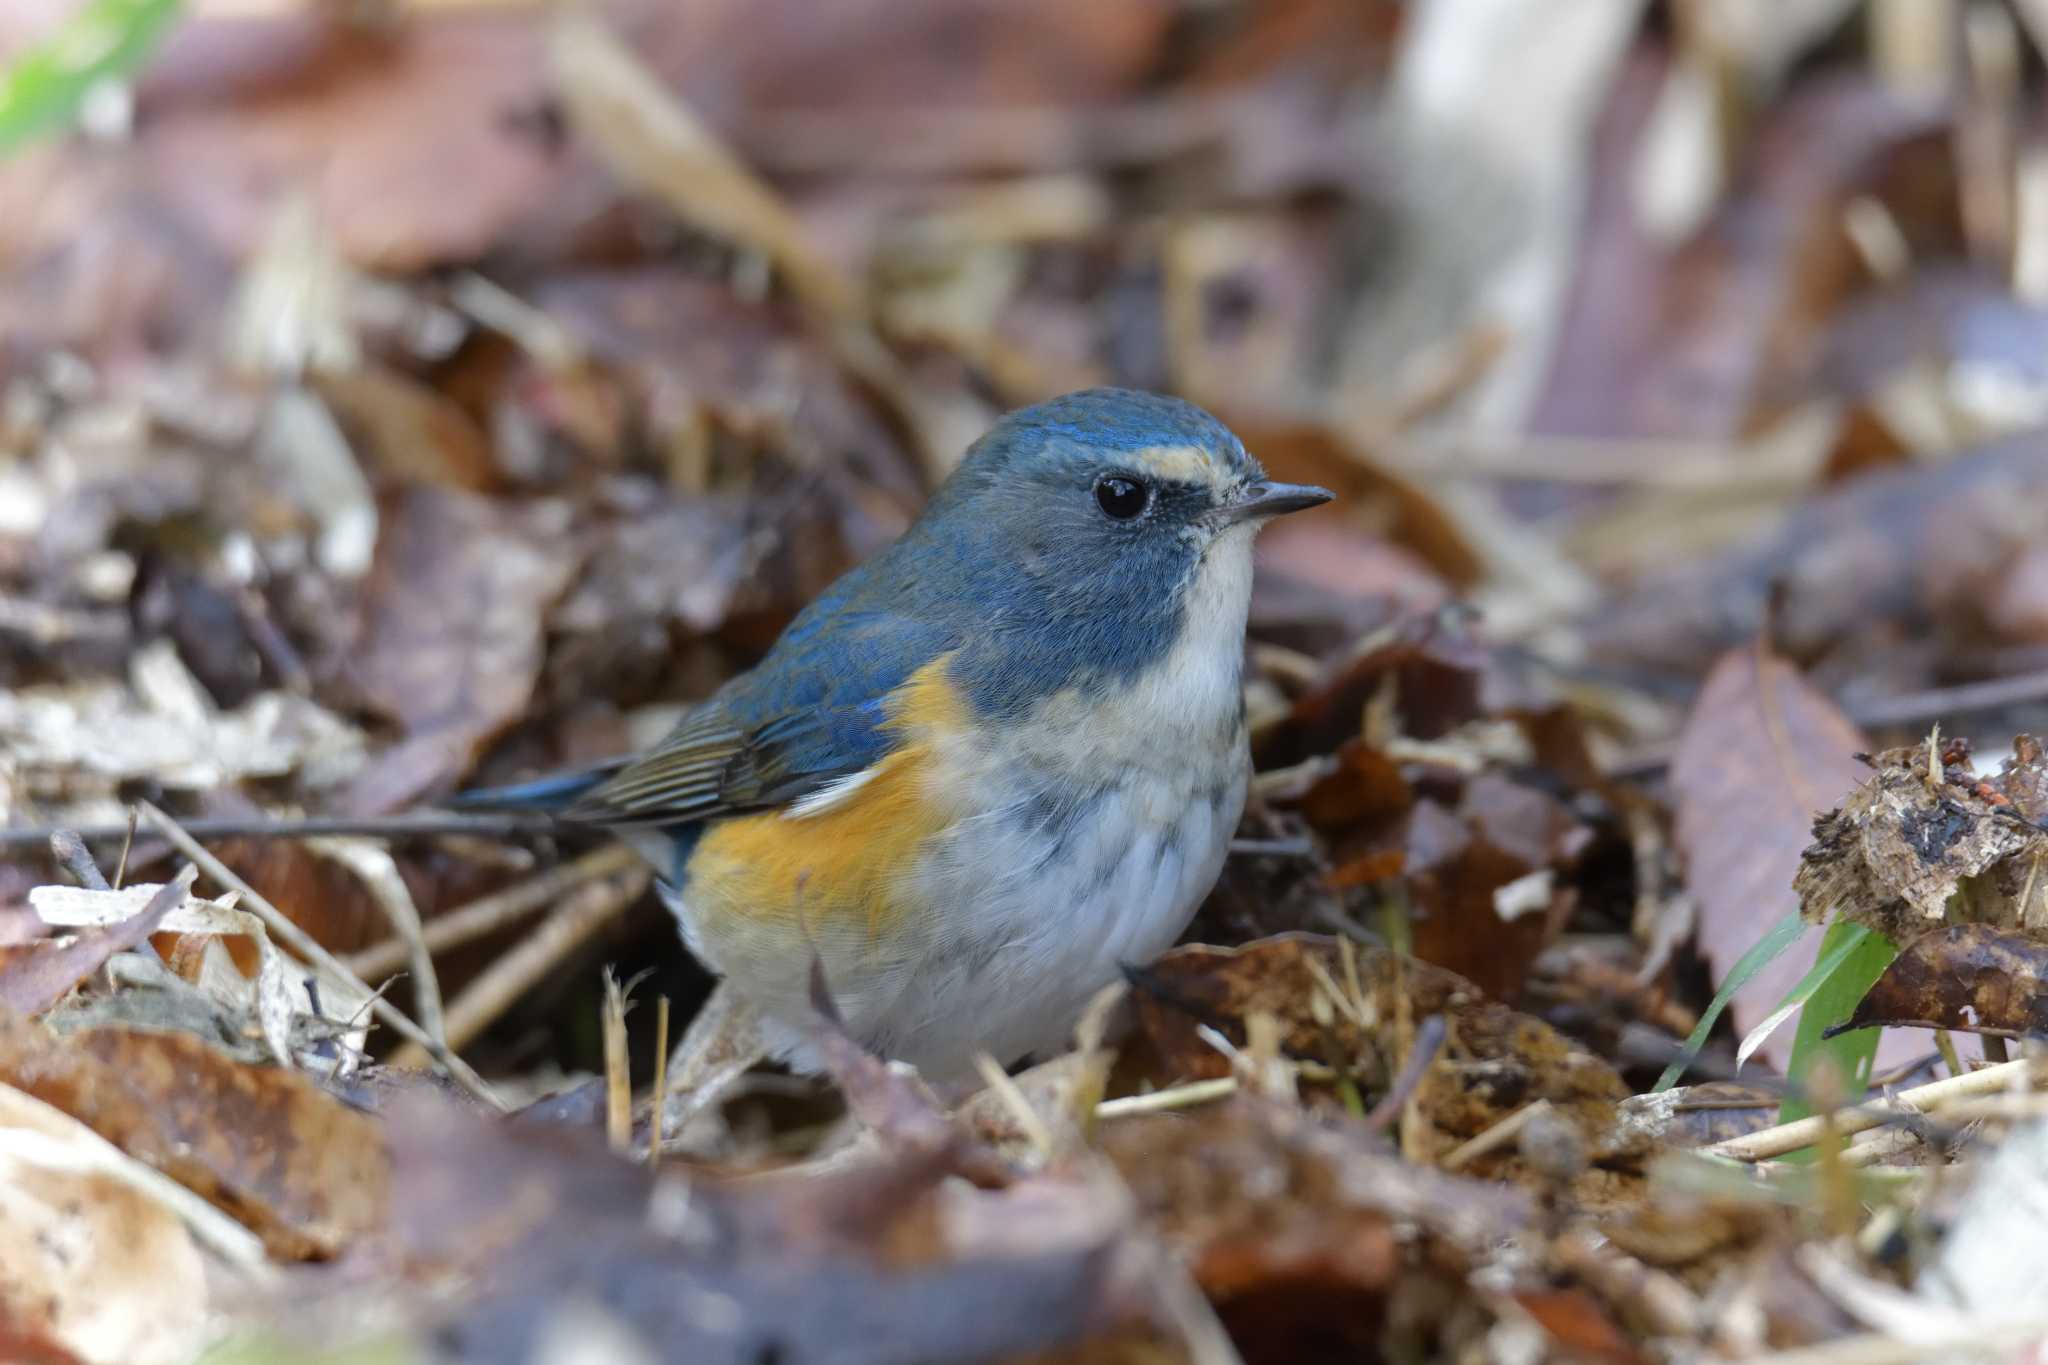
544	795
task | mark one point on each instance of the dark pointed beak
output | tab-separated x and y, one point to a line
1258	501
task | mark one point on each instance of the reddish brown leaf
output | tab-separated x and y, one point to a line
1297	1266
301	1169
1454	867
1762	754
1971	978
38	975
1365	788
1577	1324
1437	673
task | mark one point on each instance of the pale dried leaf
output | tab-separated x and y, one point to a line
91	1254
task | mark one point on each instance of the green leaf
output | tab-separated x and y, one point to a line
1851	959
1767	949
1841	940
45	86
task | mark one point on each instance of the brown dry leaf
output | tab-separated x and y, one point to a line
1437	671
1761	755
1476	861
406	431
1577	1325
1482	883
81	741
301	1169
709	365
92	1267
452	632
1896	851
1497	1062
528	1225
1971	978
36	976
1297	1236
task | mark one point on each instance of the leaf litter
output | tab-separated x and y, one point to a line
404	401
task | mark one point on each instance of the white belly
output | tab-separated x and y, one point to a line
1060	905
1032	907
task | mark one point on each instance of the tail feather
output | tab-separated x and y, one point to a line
550	795
666	848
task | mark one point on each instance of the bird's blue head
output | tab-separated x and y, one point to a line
1093	533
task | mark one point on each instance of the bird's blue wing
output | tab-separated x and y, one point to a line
813	711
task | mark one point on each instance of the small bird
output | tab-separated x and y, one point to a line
988	767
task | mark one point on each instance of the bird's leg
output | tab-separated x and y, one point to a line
722	1043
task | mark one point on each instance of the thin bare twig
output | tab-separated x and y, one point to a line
304	944
423	825
512	975
70	850
1175	1097
488	914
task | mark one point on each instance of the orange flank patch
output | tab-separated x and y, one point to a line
822	870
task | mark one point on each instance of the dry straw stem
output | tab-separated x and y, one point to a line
307	947
1790	1137
618	1080
654	1132
511	976
488	914
1498	1135
1161	1101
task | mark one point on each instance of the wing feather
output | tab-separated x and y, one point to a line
802	721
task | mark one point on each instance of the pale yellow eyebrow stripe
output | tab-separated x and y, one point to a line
1186	464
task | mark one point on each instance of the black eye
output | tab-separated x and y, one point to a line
1120	497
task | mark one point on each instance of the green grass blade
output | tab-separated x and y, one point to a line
1859	956
44	87
1776	940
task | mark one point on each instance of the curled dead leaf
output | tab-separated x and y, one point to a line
35	976
1971	978
1905	842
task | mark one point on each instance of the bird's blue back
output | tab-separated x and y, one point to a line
1020	598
